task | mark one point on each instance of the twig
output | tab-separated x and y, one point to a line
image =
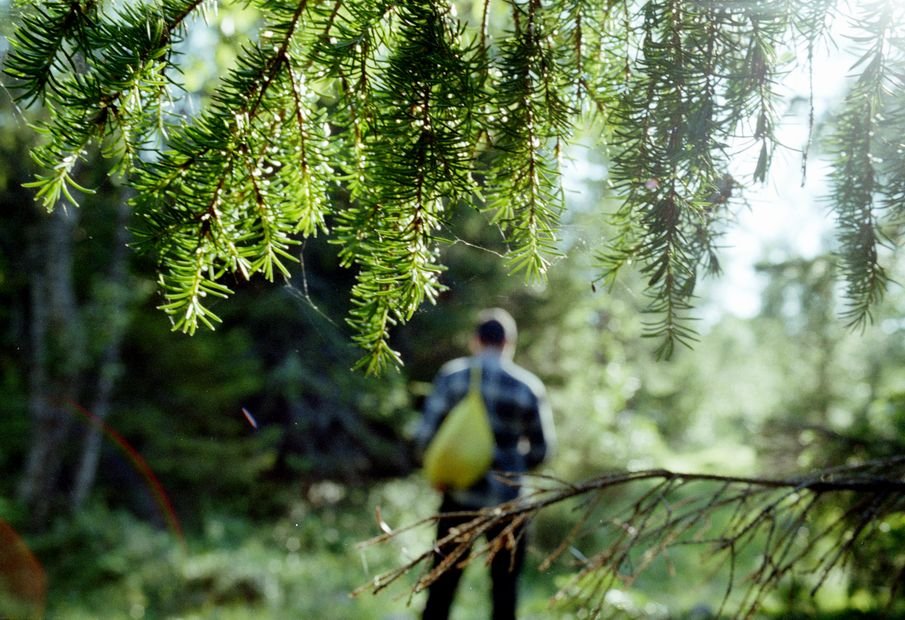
772	514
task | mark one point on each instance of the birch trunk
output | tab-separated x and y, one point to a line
57	359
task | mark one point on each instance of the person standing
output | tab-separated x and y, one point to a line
522	426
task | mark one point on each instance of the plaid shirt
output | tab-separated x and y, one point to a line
519	415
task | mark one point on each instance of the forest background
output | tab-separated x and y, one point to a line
232	473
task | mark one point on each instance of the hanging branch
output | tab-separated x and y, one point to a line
240	182
417	156
813	25
792	525
533	111
380	118
856	177
665	164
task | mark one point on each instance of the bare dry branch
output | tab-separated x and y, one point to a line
804	526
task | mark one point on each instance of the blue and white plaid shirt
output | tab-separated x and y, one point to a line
519	415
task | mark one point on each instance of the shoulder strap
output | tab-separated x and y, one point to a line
474	381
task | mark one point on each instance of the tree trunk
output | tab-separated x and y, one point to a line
57	359
113	308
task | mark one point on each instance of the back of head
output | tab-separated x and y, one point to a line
496	328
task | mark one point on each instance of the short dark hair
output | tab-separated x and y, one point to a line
496	327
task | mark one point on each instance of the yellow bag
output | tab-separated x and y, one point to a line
462	449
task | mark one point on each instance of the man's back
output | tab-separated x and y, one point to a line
519	415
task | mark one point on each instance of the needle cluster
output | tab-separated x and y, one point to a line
372	121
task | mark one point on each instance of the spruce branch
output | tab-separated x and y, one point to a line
101	78
525	196
418	159
381	118
244	178
665	167
856	178
41	48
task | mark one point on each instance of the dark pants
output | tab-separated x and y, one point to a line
504	569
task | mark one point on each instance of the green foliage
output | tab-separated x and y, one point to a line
303	564
376	121
383	154
118	547
202	415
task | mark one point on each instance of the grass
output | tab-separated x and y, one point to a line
108	564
